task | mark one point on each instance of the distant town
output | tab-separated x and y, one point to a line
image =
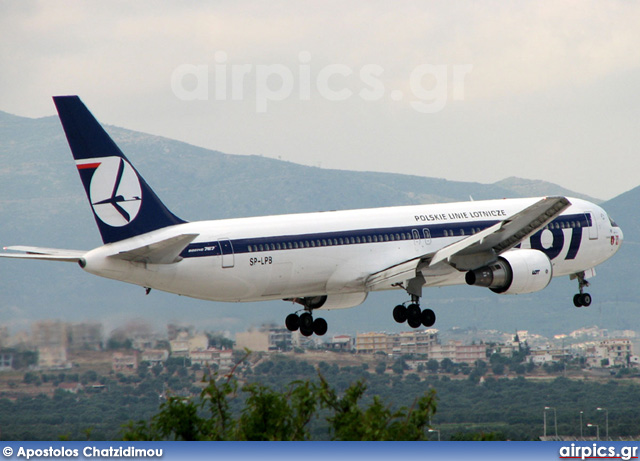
52	345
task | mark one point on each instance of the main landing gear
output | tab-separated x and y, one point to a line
305	321
413	315
306	324
582	299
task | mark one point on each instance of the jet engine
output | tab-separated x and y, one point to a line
515	272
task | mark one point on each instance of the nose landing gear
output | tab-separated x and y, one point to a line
582	299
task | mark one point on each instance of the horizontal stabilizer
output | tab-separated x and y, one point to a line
163	252
47	254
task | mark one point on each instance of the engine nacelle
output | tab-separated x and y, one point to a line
333	301
515	272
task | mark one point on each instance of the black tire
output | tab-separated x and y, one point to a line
428	318
400	313
585	299
306	322
306	331
292	322
413	312
320	326
577	300
414	322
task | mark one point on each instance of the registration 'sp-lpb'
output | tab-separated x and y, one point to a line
327	260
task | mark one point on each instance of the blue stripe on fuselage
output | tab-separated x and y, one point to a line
383	235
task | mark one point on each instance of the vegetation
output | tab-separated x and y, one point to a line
269	415
282	397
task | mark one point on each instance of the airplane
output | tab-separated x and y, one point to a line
324	260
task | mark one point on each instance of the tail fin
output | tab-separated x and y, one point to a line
123	203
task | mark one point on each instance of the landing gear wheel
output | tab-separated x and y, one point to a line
414	322
306	331
428	318
320	326
400	313
292	322
582	299
306	322
413	312
577	301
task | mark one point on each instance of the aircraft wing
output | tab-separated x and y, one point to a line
48	254
472	252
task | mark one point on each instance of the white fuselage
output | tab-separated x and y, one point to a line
299	255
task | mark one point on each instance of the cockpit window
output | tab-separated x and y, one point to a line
613	223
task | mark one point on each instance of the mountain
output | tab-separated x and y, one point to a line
42	203
534	188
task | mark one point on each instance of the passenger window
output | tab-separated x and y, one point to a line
368	238
341	241
357	239
261	247
324	243
250	249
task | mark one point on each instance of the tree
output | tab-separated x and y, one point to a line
273	415
498	368
447	365
433	365
399	366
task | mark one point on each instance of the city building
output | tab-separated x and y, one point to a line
85	336
125	362
458	352
265	339
155	356
618	350
407	342
341	343
6	361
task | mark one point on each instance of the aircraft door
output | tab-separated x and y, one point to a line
226	250
427	236
593	227
420	242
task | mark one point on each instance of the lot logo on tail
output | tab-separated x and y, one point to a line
114	191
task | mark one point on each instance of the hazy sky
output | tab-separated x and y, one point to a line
462	90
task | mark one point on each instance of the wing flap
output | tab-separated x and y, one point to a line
394	275
163	252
